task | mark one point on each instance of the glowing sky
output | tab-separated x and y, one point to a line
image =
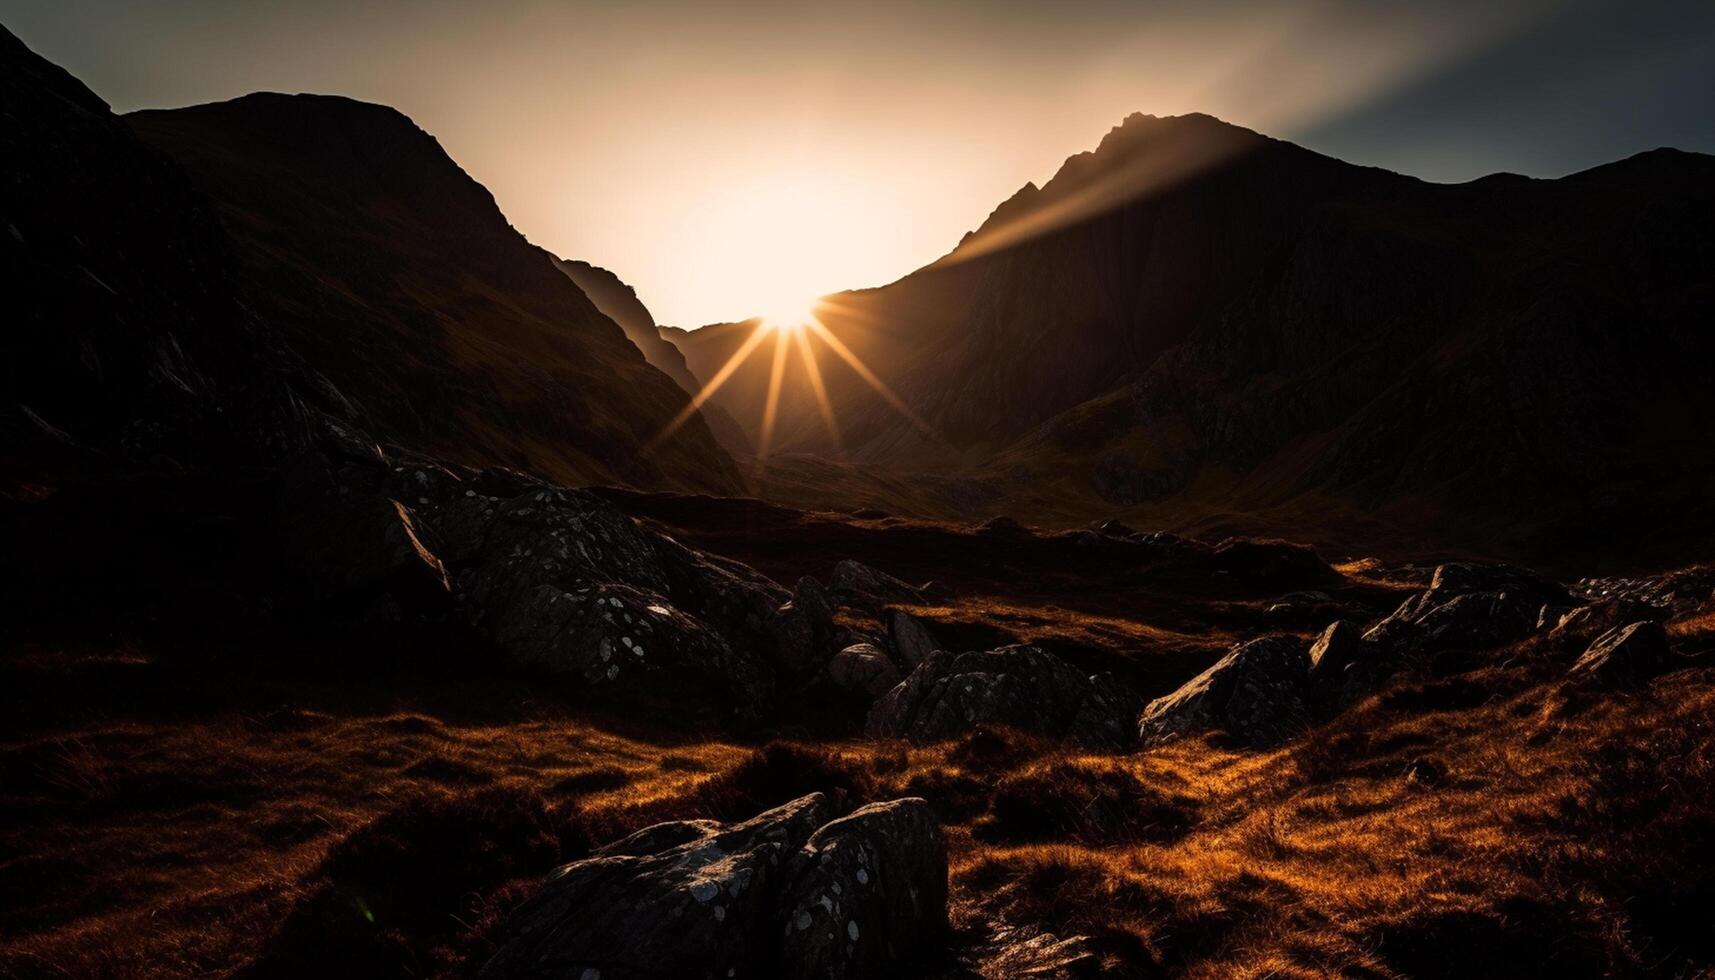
727	158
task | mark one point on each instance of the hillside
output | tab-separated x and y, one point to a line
394	273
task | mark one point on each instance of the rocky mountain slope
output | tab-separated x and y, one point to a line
1197	318
394	274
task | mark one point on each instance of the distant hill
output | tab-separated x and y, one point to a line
394	274
1196	323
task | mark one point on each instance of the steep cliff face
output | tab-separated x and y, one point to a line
394	273
1195	317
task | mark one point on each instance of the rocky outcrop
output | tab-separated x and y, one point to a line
1021	687
864	891
790	893
1625	655
1258	694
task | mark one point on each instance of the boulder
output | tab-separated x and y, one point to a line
1625	655
864	890
1257	693
1022	687
631	644
791	892
911	641
860	585
864	668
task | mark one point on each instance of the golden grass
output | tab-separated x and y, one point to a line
1487	822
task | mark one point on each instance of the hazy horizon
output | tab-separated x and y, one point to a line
723	160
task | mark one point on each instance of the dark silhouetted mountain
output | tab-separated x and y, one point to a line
124	336
618	302
394	273
1196	321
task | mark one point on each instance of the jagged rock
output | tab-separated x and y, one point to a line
1257	693
698	898
1022	687
911	641
1114	529
1431	621
1626	655
860	584
1461	578
864	668
864	891
803	629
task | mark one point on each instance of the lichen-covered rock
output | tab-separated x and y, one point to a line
1625	655
863	892
789	893
911	641
629	643
1257	693
860	585
1021	687
864	668
684	899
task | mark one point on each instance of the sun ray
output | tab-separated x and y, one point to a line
707	391
813	372
770	410
869	376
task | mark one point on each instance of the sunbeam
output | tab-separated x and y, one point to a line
870	377
771	410
707	391
814	373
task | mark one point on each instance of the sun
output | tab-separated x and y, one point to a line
790	314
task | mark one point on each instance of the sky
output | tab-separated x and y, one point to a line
728	158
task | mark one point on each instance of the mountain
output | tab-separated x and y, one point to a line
618	302
1197	323
125	338
395	275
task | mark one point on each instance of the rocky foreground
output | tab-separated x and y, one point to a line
1016	744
